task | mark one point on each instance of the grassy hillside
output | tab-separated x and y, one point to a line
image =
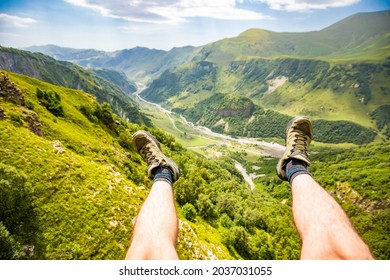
80	170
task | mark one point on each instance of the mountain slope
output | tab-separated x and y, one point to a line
347	93
117	78
70	75
361	37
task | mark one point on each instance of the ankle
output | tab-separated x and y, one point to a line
163	173
295	167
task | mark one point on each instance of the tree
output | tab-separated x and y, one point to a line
205	206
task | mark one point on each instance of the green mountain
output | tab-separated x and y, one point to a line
70	75
72	182
361	37
338	76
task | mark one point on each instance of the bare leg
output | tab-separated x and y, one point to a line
155	232
156	228
325	229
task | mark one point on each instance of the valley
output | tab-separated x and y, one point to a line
189	129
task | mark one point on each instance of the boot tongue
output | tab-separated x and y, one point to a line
301	157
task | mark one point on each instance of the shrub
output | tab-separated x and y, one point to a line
52	102
89	113
10	249
226	221
189	212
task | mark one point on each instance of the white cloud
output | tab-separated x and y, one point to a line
306	5
15	21
169	11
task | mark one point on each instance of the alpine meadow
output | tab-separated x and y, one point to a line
72	181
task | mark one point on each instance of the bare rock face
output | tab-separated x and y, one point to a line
9	91
244	112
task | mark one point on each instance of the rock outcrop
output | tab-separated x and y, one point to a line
9	91
33	121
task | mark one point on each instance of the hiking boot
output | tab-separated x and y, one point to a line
298	137
149	148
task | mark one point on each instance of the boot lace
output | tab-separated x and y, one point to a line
147	153
299	142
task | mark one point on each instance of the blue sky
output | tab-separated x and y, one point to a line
162	24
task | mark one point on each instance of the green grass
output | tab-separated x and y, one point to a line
76	193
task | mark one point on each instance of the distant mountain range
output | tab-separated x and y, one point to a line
140	64
362	37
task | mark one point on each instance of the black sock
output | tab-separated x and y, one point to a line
295	167
163	173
